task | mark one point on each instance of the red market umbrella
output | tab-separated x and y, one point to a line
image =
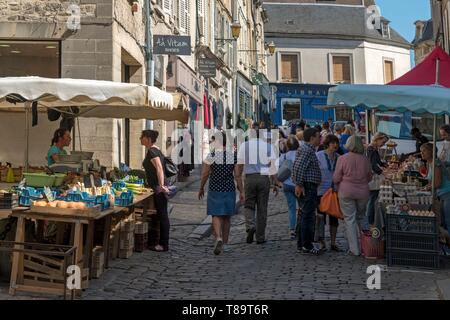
425	72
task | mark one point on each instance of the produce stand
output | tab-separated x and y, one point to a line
83	251
94	99
403	247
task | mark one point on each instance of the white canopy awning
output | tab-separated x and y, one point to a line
94	98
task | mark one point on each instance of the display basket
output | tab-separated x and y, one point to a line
125	199
411	224
413	241
27	195
39	179
372	247
413	258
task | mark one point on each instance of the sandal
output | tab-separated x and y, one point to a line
218	247
159	248
323	246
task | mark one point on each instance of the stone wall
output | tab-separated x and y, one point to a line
52	11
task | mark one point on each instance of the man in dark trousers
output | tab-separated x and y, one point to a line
307	177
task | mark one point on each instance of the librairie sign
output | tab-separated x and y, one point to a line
175	45
207	67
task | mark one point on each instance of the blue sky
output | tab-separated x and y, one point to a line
403	14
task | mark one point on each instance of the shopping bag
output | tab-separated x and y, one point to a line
329	204
285	170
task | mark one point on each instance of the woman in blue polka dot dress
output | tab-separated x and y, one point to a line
221	170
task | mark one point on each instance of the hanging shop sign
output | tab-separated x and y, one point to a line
207	67
174	45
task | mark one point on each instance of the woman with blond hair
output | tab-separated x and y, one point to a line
348	132
351	177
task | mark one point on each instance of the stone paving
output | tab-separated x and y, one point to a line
273	270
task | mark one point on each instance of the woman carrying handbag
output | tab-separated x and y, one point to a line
327	160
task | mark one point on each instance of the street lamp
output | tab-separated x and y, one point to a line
235	30
271	46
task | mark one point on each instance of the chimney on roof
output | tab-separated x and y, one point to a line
419	29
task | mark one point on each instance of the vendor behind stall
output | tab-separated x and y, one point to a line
61	139
441	181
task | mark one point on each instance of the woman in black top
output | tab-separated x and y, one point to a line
153	165
373	153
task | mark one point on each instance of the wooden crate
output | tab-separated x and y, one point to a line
127	225
141	227
126	253
45	274
126	244
140	242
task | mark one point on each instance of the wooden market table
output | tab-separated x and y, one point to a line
17	281
83	251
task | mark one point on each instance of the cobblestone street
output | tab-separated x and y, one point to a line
273	270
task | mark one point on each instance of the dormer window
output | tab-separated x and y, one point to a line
385	30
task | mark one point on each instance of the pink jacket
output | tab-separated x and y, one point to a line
352	176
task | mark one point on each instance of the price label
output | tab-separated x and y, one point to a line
48	194
22	183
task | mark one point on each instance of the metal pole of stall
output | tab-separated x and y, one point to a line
27	133
150	65
437	71
434	156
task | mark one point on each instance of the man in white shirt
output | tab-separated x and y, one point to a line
445	134
256	159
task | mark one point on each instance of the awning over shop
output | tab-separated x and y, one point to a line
425	72
95	99
419	99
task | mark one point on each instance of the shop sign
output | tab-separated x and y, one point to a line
207	67
173	45
257	79
159	69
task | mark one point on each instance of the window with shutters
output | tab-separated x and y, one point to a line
341	69
388	71
290	67
183	16
167	6
202	17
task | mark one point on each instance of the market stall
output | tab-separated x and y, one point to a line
76	198
411	222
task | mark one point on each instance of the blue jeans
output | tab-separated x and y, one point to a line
445	198
308	205
370	212
289	192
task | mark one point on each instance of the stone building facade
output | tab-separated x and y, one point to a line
440	13
108	42
36	39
